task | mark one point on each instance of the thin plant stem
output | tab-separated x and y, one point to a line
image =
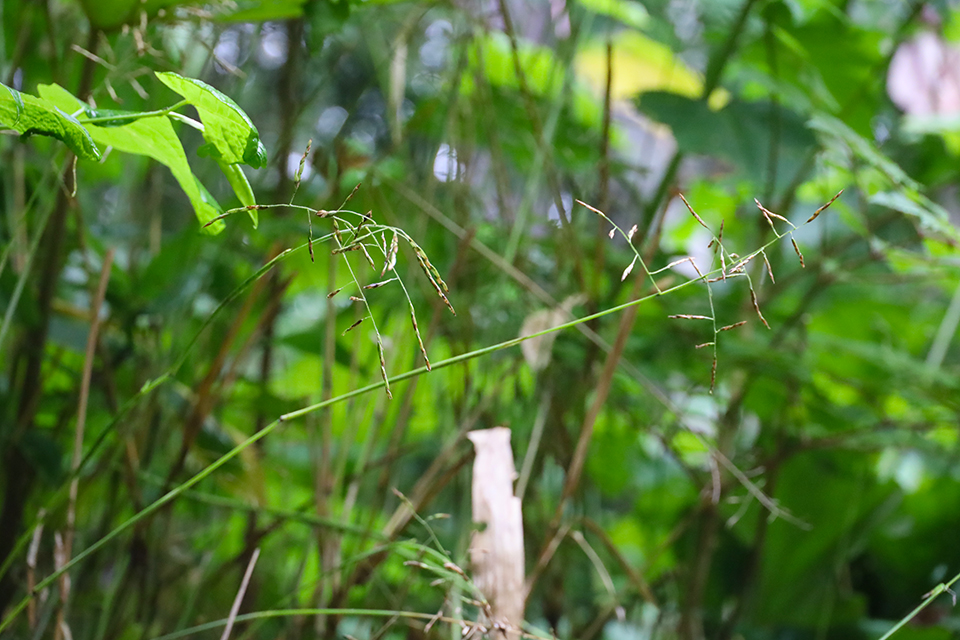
943	587
82	421
235	608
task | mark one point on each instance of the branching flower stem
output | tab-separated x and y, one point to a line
267	430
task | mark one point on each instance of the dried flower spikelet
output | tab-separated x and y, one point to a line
452	567
796	248
688	316
769	220
367	256
695	267
352	193
427	266
594	209
334	292
630	234
820	210
383	368
391	260
303	160
377	285
732	326
353	326
770	214
740	264
756	306
676	262
694	213
610	235
416	330
629	268
436	274
769	268
446	302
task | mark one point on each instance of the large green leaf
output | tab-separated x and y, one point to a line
28	115
633	14
261	10
805	71
739	132
111	14
862	148
153	137
230	135
800	565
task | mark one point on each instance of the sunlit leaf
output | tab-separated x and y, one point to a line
740	132
229	133
241	188
153	137
260	10
29	115
633	14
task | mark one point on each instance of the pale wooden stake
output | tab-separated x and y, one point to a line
496	552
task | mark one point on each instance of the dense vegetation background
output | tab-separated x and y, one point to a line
796	481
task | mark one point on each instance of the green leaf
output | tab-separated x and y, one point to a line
28	115
229	133
739	132
241	188
153	137
43	454
111	14
930	216
262	11
861	147
901	192
17	102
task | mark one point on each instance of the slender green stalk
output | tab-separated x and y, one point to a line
133	117
22	281
943	587
288	613
267	430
